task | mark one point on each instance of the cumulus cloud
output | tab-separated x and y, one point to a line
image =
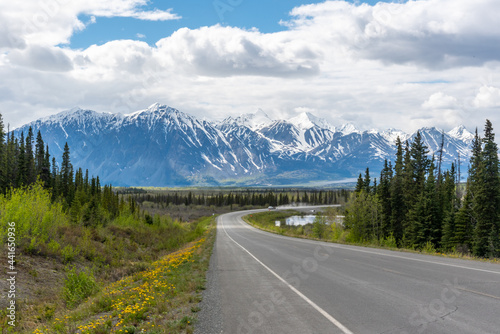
435	34
42	58
53	22
440	101
487	97
400	65
226	51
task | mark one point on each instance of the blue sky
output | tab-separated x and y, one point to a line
265	15
399	64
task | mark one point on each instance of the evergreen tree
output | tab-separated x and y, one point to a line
434	218
486	202
21	163
463	225
360	184
39	154
366	181
384	194
398	203
30	159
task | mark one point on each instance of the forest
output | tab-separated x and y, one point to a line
419	206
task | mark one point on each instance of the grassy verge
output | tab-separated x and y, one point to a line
336	234
61	263
161	299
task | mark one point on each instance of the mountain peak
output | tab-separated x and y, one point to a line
348	128
391	135
155	108
460	132
306	120
72	114
256	120
162	146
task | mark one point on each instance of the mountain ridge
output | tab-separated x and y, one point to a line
162	146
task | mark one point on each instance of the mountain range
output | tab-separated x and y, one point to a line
162	146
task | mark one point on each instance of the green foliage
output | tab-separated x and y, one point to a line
389	241
33	213
319	227
417	207
363	217
68	253
429	248
78	286
486	201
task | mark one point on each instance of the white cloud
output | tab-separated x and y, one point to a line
440	101
488	97
53	22
434	33
225	51
369	65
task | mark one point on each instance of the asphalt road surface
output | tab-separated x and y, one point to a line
265	283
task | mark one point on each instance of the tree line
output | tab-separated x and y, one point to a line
243	198
25	160
420	206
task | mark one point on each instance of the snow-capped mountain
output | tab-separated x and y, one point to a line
162	146
306	120
462	134
253	121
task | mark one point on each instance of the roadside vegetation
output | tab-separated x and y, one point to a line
87	259
326	225
189	204
103	277
416	206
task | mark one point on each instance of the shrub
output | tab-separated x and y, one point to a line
78	286
32	211
428	248
68	254
389	241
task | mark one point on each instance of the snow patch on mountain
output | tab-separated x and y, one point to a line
306	120
162	146
461	133
391	135
348	128
254	121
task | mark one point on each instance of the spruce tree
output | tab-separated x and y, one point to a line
39	154
360	184
434	222
66	179
366	181
398	204
30	159
486	201
464	224
21	163
384	195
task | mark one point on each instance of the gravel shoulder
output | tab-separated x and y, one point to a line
210	315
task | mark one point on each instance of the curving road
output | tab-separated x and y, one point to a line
265	283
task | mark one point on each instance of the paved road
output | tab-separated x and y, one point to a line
266	283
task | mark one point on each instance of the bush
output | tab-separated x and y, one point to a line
78	286
389	241
428	248
30	208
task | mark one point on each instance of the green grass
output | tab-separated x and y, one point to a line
62	265
160	299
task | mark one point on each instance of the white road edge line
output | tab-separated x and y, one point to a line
365	251
300	294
